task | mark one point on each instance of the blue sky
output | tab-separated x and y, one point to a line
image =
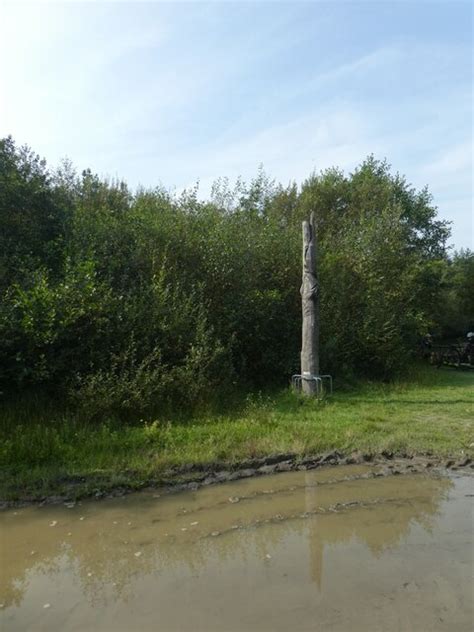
169	93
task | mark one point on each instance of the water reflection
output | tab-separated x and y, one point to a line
108	546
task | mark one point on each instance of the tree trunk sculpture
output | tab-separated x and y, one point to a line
310	309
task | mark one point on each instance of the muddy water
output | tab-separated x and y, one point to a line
321	550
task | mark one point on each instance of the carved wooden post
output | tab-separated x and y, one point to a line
310	308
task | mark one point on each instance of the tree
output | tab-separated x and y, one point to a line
32	221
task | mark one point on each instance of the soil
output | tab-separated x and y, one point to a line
194	476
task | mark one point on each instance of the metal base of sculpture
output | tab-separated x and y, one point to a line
318	381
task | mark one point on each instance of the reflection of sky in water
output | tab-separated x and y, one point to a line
288	527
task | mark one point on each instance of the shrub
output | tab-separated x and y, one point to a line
128	303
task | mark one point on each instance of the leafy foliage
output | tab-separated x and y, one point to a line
126	302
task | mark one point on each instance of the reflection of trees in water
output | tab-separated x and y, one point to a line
382	518
12	582
102	554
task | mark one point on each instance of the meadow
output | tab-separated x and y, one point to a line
46	453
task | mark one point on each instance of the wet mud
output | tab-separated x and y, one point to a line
196	475
332	548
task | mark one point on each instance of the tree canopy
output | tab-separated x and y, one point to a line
125	301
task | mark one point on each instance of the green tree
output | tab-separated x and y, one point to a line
32	221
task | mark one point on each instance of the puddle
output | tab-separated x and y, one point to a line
318	550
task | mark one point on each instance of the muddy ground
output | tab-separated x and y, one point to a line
194	476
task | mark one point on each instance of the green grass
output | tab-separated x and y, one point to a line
43	452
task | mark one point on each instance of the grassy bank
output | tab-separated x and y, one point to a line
51	453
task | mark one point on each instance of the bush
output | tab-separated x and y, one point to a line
126	303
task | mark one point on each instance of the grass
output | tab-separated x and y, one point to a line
45	452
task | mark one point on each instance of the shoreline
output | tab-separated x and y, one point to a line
191	477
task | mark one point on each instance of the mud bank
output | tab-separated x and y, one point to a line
196	475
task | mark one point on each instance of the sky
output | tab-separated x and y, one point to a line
171	93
